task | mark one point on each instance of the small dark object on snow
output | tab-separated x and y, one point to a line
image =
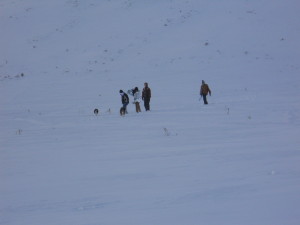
96	111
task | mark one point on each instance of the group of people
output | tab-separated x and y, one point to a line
135	92
146	96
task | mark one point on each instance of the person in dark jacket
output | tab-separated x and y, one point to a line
204	91
125	100
146	96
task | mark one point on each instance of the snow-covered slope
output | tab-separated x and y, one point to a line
234	161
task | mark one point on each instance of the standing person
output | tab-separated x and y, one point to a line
136	98
125	100
204	90
146	95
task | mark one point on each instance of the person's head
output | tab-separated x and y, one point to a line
121	92
136	89
146	84
203	82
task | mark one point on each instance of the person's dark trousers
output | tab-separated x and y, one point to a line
205	99
125	107
147	104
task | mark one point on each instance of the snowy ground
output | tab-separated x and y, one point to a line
232	162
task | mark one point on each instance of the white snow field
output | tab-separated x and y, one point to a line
234	161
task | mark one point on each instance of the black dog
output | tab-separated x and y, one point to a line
96	111
122	111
